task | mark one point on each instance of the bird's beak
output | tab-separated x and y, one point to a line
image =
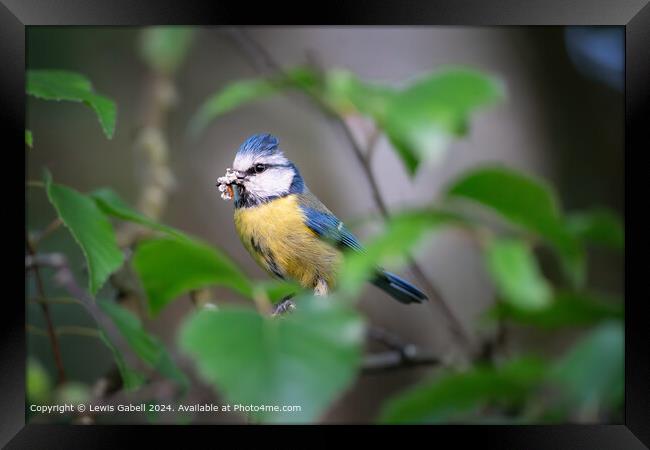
241	176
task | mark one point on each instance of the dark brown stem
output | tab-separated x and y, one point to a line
54	340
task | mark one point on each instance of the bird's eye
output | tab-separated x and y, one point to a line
259	168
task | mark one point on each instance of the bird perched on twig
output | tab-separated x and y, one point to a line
286	229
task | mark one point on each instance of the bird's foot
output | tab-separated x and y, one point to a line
285	306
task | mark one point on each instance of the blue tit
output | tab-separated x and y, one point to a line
287	230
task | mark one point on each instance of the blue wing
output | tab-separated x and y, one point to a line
326	225
331	229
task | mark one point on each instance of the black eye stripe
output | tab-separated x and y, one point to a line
252	170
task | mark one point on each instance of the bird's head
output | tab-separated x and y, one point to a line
263	172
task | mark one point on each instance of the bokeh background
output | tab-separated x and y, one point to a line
562	120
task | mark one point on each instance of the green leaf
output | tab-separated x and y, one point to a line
146	346
111	204
422	119
171	267
391	247
591	374
62	85
526	202
239	93
566	309
90	228
231	97
29	140
516	274
345	93
452	395
164	47
306	358
131	379
600	226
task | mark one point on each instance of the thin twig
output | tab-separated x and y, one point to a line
52	227
40	286
72	330
401	355
264	63
66	279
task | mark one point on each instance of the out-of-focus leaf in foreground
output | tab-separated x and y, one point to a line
90	228
451	396
525	202
513	268
591	374
146	346
71	86
305	359
171	267
164	47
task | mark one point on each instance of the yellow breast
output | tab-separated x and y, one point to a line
276	236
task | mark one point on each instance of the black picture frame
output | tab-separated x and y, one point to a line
633	15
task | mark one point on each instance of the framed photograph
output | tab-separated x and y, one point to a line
411	214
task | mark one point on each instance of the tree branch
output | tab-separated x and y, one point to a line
65	278
56	348
401	355
264	63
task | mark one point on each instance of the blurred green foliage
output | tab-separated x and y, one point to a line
306	358
164	48
309	358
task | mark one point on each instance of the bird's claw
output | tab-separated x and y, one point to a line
285	306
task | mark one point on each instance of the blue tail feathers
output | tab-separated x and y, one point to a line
398	288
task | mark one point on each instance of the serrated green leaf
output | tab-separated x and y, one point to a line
306	358
70	86
451	396
421	119
172	267
565	310
526	202
147	347
29	140
599	226
516	274
90	228
391	247
111	203
164	47
591	374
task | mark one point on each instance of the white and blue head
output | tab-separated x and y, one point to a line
264	172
